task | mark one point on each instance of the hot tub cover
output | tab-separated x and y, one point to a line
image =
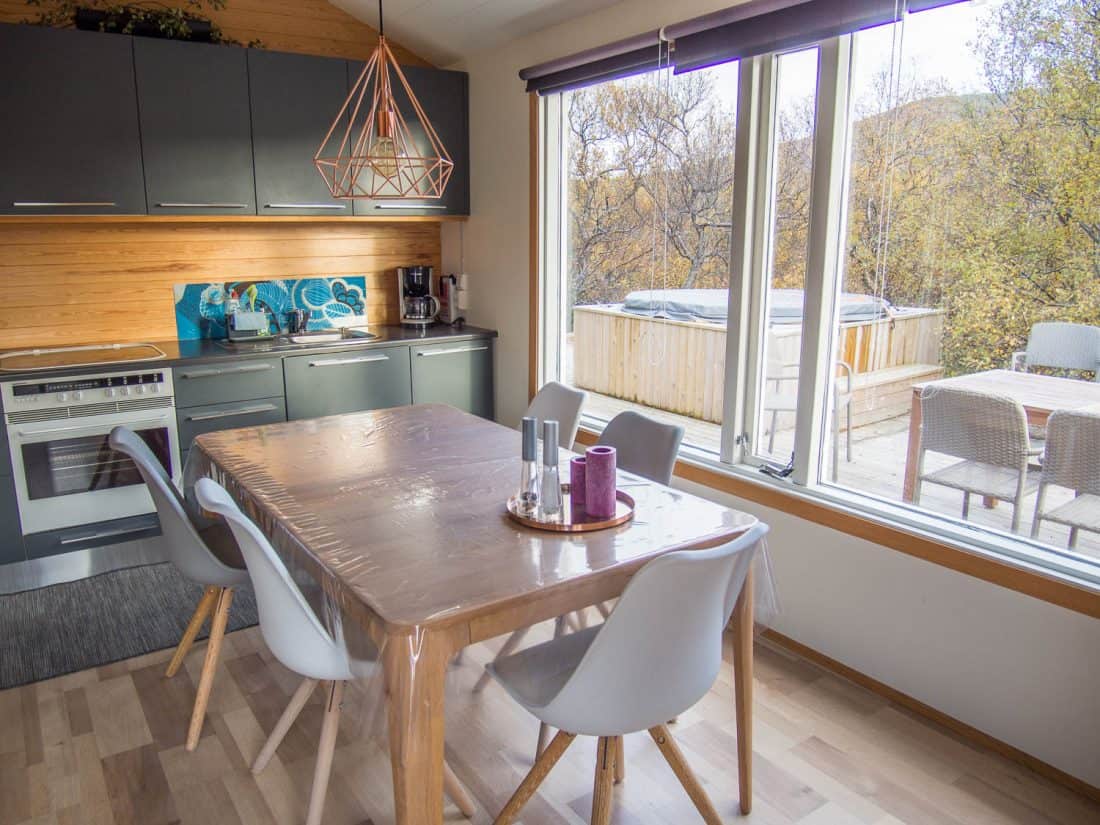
710	305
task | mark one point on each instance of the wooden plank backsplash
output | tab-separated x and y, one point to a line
70	283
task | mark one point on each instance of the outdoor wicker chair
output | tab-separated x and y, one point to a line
989	433
1071	460
1073	347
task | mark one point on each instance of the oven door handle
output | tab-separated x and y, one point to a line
90	427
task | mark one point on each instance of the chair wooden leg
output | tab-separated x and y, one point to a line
325	750
203	609
605	611
297	702
620	761
209	666
454	788
684	773
605	777
542	767
507	649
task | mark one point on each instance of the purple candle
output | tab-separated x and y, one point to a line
576	481
599	482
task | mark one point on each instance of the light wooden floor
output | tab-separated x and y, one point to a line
106	746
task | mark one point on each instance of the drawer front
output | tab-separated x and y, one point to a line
345	382
195	421
54	542
11	536
459	374
222	383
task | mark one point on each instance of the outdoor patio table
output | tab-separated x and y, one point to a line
399	516
1040	395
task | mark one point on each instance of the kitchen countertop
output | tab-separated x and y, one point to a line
179	353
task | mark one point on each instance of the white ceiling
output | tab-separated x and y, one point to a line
444	31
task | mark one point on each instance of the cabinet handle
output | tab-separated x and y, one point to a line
47	204
104	534
213	373
210	416
454	351
339	362
409	206
305	206
174	205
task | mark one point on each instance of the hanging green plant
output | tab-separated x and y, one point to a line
141	18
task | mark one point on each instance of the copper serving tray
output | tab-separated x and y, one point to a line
575	520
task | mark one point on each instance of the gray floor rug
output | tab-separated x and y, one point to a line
78	625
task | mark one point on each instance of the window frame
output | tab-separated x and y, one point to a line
1012	561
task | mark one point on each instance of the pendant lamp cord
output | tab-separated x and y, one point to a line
381	25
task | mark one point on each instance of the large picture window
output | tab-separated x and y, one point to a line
878	280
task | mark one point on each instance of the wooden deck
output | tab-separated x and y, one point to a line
877	467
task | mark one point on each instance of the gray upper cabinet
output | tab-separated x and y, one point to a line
444	97
349	381
196	135
294	100
70	142
459	373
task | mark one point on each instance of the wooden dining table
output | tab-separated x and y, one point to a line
1039	395
399	515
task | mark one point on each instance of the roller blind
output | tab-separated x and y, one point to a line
763	26
623	58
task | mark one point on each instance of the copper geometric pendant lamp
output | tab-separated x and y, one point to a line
370	150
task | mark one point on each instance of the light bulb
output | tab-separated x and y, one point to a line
383	156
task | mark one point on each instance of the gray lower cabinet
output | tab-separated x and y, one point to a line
11	536
70	142
455	373
229	415
196	132
341	382
219	382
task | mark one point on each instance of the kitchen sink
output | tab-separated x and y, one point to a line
300	339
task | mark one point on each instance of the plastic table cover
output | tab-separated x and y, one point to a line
393	524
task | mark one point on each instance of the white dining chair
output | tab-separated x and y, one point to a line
301	643
666	635
1061	346
989	433
208	556
557	402
643	445
1071	460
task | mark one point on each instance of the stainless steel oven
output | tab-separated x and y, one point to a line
66	474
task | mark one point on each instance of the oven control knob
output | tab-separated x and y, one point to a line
154	388
110	393
78	396
62	397
125	390
141	390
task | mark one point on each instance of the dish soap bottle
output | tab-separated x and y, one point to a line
529	470
550	499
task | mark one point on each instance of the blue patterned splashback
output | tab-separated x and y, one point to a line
330	302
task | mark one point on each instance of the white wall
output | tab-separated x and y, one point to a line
1022	670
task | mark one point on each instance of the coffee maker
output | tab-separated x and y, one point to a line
418	304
